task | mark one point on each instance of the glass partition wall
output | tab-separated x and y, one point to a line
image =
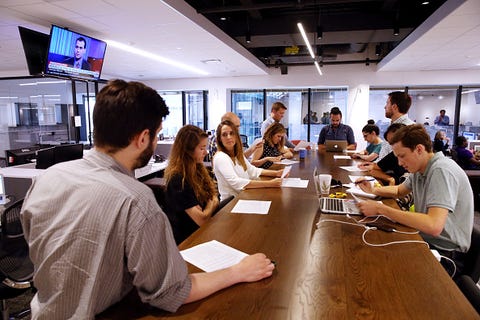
44	111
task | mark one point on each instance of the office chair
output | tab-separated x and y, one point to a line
222	204
472	258
244	140
470	291
16	269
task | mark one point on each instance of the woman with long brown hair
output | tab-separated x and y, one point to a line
191	195
273	148
232	170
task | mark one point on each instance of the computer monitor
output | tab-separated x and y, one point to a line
15	157
68	152
470	135
45	158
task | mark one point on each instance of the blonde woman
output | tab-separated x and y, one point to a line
232	170
191	195
273	148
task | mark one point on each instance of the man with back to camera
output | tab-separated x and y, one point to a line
396	108
442	119
77	61
443	205
276	115
336	131
95	232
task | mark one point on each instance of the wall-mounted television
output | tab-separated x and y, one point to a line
74	55
35	46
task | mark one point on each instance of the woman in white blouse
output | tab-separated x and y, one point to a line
232	170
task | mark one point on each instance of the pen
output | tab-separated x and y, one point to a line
357	182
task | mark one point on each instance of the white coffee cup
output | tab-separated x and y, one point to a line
325	180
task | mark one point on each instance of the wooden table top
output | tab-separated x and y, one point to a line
322	273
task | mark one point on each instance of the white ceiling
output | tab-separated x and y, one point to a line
450	39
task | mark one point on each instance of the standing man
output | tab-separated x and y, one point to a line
276	114
77	61
396	109
442	119
443	204
95	232
336	131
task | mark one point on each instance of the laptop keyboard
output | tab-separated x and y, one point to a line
333	204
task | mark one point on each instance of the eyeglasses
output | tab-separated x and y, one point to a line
365	135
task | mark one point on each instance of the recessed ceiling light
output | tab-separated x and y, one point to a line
211	61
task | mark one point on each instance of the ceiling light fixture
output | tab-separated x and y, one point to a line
248	37
396	30
319	32
155	57
378	50
304	35
318	68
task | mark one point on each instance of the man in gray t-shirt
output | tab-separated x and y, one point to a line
442	197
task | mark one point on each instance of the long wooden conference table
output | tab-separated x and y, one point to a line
321	273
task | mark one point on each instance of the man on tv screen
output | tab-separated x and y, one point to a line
77	60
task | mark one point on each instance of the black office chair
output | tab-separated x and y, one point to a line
467	281
223	203
16	269
244	140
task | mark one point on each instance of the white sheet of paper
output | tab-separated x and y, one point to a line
337	156
252	207
352	168
294	183
213	255
286	170
287	162
354	178
301	144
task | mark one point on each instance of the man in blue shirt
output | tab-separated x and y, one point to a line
336	131
442	119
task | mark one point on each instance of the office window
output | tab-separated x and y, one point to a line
195	106
322	100
248	105
469	115
293	119
174	121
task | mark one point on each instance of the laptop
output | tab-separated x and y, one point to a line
3	198
336	145
334	205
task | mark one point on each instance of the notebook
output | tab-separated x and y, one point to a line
336	145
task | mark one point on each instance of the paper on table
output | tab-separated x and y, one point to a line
213	255
301	144
294	183
286	170
287	162
337	156
252	206
355	178
352	168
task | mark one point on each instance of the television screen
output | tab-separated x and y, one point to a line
35	46
74	55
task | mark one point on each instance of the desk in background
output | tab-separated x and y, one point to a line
324	273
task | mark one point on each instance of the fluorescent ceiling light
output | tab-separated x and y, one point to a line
8	97
155	57
304	35
318	68
42	82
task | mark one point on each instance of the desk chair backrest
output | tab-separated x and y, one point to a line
472	260
244	140
11	224
16	269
